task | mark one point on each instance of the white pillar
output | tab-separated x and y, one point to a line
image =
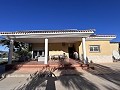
84	51
32	54
10	52
46	51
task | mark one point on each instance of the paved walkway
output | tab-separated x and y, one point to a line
103	77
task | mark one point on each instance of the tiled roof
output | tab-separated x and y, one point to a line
46	31
94	35
114	42
101	37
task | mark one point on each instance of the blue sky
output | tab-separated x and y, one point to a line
102	15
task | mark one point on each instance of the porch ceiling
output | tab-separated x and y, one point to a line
57	37
51	40
53	36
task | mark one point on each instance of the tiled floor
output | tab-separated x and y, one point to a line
35	66
50	63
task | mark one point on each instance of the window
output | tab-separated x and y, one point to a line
94	48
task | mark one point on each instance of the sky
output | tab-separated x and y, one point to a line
102	15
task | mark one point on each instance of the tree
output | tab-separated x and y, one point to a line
20	49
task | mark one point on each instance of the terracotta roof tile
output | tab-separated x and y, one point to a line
94	35
46	31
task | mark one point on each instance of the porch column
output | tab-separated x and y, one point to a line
46	51
32	54
84	51
10	52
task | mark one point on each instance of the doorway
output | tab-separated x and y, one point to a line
71	52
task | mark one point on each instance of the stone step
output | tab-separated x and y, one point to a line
19	73
15	75
41	66
30	66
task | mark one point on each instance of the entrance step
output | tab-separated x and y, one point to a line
15	75
19	73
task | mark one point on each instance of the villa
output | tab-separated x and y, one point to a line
49	43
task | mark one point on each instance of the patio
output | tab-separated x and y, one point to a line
51	63
33	65
104	77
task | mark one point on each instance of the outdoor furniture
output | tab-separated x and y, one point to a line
58	57
61	57
116	55
41	58
52	57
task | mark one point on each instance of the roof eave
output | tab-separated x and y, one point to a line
101	38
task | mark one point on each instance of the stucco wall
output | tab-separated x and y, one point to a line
104	56
77	44
58	49
36	46
54	48
114	46
105	48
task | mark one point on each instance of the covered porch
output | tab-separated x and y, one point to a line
49	43
56	49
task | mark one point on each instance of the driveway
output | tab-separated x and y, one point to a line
101	77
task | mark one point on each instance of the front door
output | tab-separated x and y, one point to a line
71	52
